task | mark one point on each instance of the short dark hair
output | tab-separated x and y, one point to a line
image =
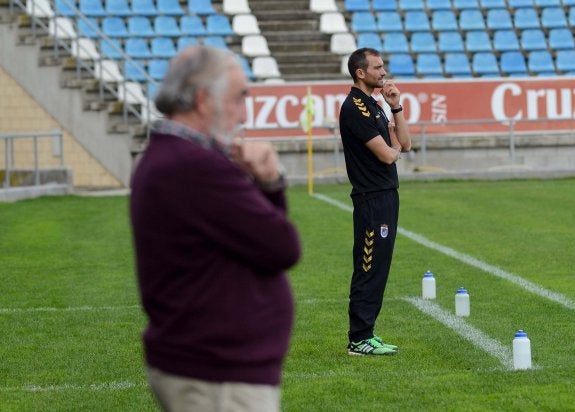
358	60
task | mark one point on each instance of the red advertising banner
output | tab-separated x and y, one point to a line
447	106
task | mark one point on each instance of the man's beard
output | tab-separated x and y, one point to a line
217	128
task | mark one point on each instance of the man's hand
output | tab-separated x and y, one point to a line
390	93
258	159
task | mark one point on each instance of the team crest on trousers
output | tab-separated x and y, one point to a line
384	231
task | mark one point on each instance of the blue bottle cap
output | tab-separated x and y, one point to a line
461	290
428	274
520	334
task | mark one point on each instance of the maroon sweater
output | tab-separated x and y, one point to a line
211	254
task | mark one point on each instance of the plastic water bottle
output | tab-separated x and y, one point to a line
462	302
428	286
521	351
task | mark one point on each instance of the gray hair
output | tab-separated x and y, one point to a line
195	68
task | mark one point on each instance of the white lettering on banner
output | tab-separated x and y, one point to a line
281	111
438	108
556	107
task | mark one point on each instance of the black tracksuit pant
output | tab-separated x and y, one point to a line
375	217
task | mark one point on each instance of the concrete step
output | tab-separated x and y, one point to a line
297	37
308	47
262	5
307	58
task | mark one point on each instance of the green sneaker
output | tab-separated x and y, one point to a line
369	347
392	347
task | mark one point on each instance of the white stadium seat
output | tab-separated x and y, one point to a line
332	22
244	24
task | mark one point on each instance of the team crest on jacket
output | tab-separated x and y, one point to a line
361	106
384	231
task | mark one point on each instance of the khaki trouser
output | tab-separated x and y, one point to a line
181	394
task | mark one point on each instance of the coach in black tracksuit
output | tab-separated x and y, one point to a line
370	154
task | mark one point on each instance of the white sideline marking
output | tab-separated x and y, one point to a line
471	261
5	311
503	353
95	387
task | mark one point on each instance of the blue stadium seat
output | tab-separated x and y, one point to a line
201	7
152	89
134	70
443	20
540	62
478	41
572	16
423	42
140	26
526	18
401	65
388	21
567	3
407	5
565	60
553	18
87	27
561	39
186	41
119	8
114	27
166	26
416	21
499	19
62	8
492	4
144	8
439	4
356	5
484	63
215	41
465	4
516	4
383	5
247	68
157	68
547	3
111	49
533	39
513	63
92	8
370	39
450	41
137	48
457	65
192	25
395	42
471	19
219	25
429	65
170	7
163	48
363	21
505	40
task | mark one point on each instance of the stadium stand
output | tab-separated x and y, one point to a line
423	42
513	63
119	8
372	40
450	41
429	65
457	65
401	65
170	8
395	42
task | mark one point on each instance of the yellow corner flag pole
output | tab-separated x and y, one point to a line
309	119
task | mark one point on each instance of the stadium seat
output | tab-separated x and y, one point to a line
477	41
416	21
111	49
513	63
422	42
389	21
457	65
526	18
342	43
450	41
356	5
185	41
484	63
572	16
567	3
332	23
407	5
547	3
465	4
553	18
215	41
505	40
170	7
244	24
540	62
471	19
135	70
516	4
533	39
157	68
443	20
371	40
119	8
62	28
131	93
395	42
140	26
219	25
247	69
565	60
201	7
255	45
84	49
429	65
401	65
234	7
265	67
321	6
62	8
383	5
108	71
114	27
92	8
561	39
499	19
363	21
144	8
39	8
492	4
88	27
163	48
167	26
438	4
192	25
137	48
